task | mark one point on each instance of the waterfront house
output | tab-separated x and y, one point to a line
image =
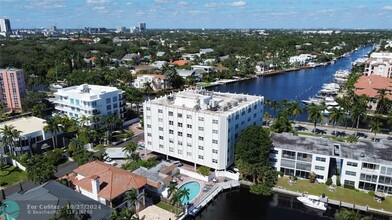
157	81
108	184
370	85
48	198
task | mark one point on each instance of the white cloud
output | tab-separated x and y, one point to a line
97	1
9	0
237	4
45	4
387	8
361	6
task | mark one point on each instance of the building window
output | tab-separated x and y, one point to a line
351	173
160	137
72	101
115	99
189	145
148	126
214	121
201	119
214	160
201	148
320	168
180	133
215	131
149	143
180	124
321	159
160	119
160	111
170	113
201	138
189	116
148	108
188	153
160	128
171	123
179	151
171	149
189	135
161	146
189	126
148	117
108	107
352	164
115	105
215	141
215	151
179	115
201	157
370	166
108	100
179	143
171	141
201	129
149	134
171	131
349	183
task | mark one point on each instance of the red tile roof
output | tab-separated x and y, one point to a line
113	181
369	85
180	62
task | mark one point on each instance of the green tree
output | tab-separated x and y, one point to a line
294	109
10	138
252	158
376	127
76	144
131	198
315	115
38	110
336	116
282	123
359	110
382	102
54	127
203	170
39	170
183	194
345	214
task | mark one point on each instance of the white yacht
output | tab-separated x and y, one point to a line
312	202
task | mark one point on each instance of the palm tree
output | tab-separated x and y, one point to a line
315	114
382	101
83	120
274	105
172	188
282	123
76	144
147	88
294	109
376	127
10	137
53	126
359	110
183	194
131	198
335	116
267	117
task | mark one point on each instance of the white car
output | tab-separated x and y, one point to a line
113	163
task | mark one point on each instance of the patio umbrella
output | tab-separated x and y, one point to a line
379	194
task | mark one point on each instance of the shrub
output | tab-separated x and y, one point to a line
352	139
205	171
329	182
279	173
312	177
371	193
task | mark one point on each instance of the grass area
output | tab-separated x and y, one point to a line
166	206
341	194
14	175
99	147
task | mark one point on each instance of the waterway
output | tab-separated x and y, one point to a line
293	85
240	204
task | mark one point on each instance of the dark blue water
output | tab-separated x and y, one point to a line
242	205
294	85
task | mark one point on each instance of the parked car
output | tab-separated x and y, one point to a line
113	163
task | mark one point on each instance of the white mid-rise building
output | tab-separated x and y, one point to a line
379	64
200	126
88	100
157	82
364	165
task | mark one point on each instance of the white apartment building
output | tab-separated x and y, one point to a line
157	81
88	100
379	64
200	126
364	165
301	59
32	131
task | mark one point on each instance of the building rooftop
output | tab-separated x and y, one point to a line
207	101
53	194
113	180
26	125
157	174
369	85
377	152
86	91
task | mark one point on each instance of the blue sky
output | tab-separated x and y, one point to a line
199	13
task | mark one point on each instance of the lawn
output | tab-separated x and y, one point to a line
99	147
14	175
166	206
341	194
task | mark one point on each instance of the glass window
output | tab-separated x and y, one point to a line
320	168
189	135
170	113
160	137
77	102
201	129
201	157
188	153
201	148
189	116
180	133
201	138
115	105
108	107
71	100
215	131
179	124
215	141
201	119
189	126
214	160
114	99
214	151
108	100
160	128
160	111
171	131
321	159
171	123
179	115
215	121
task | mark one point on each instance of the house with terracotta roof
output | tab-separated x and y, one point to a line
179	62
108	184
370	85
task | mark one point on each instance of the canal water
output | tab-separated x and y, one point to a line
293	85
240	204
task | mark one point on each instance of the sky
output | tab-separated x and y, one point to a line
198	13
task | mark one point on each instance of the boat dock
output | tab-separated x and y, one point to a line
336	202
209	196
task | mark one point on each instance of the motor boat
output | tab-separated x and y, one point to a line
312	202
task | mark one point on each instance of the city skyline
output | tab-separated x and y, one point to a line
200	14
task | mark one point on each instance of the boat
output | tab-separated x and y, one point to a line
312	202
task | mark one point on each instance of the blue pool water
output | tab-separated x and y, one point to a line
194	189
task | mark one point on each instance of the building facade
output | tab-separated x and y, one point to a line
12	89
364	165
5	26
88	100
142	27
157	82
200	126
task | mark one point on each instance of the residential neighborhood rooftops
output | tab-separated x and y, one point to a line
113	181
52	195
377	152
26	125
157	174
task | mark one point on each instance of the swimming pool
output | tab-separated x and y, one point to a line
194	190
